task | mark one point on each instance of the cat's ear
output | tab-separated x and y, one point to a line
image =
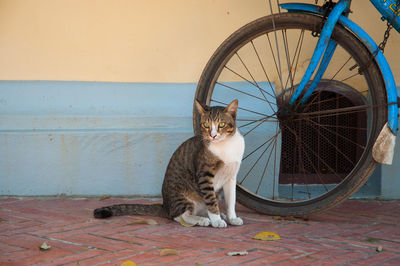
232	108
199	107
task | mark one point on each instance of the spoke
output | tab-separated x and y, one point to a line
322	63
255	85
263	68
273	185
273	56
315	154
237	74
247	174
255	121
337	126
337	134
334	146
316	96
244	158
315	170
302	166
352	76
242	119
340	69
297	52
266	166
255	82
276	44
245	134
344	110
241	108
289	66
246	93
337	97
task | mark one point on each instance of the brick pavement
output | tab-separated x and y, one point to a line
349	233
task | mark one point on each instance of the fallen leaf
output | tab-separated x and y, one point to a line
267	236
168	251
1	220
237	253
145	221
277	217
105	197
379	248
185	224
128	263
44	246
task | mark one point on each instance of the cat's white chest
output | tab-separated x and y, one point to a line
229	150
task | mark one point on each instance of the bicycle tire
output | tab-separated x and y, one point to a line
377	112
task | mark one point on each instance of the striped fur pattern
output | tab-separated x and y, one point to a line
198	170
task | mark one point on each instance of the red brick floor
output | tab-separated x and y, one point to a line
349	233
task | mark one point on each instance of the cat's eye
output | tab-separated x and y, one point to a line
206	125
221	125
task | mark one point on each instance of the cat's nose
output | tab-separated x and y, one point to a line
213	135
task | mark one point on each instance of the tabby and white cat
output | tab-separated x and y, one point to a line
198	170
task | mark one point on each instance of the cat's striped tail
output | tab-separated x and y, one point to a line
130	209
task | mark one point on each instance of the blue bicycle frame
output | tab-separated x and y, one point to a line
326	47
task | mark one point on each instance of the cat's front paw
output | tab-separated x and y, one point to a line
204	221
236	221
218	223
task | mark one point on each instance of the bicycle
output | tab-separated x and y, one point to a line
310	142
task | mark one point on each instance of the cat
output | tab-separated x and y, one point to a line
198	171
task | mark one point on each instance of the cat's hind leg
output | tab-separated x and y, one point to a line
193	219
188	208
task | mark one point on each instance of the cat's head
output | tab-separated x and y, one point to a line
217	122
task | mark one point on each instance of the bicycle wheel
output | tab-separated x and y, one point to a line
306	158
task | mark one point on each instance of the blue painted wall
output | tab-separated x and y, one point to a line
94	138
84	138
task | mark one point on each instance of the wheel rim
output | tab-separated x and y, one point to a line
271	170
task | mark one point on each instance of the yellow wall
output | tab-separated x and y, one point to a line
133	40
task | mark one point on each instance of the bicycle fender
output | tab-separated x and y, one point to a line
319	52
391	91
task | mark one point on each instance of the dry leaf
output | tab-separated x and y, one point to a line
105	197
237	253
379	248
267	236
168	251
44	246
1	220
277	217
128	263
145	221
183	223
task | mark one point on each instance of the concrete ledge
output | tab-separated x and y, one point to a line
82	163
